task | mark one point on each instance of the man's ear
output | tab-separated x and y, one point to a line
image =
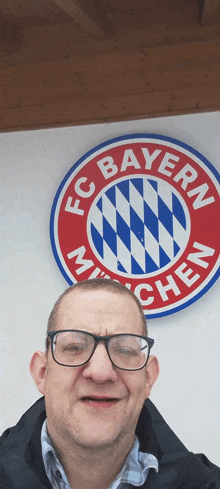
152	372
38	370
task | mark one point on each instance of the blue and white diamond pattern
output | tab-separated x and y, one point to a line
138	225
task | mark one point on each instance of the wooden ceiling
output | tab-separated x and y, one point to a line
70	62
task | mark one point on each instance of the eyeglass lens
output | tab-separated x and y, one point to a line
74	348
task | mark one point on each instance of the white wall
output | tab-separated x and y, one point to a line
187	343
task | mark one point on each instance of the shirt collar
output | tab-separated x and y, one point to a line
134	471
136	467
53	467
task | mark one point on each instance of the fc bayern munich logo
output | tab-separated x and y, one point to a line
142	209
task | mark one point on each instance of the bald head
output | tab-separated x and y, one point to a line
92	285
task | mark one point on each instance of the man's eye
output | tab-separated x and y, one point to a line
126	351
75	348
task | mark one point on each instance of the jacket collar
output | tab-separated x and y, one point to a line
20	452
178	468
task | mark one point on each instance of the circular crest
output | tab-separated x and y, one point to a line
142	209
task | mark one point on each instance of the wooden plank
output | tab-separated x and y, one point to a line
208	11
94	20
62	41
109	109
138	25
113	74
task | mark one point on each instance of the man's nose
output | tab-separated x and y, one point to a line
100	367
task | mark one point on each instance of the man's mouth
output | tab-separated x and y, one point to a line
98	401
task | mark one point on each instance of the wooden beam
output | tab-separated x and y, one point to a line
112	109
94	17
111	87
208	11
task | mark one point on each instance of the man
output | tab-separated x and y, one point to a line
98	431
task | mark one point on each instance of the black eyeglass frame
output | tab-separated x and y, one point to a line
97	338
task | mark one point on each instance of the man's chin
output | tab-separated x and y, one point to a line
97	444
96	438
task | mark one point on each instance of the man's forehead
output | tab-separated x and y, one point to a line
88	295
96	300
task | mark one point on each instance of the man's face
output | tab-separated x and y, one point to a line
76	398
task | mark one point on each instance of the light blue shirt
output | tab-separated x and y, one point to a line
134	471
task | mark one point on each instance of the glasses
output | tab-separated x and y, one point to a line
73	348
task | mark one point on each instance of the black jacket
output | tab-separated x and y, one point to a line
21	463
